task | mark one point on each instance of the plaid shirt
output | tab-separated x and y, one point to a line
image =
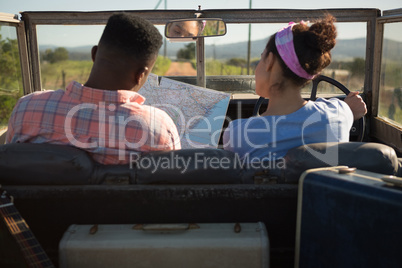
108	124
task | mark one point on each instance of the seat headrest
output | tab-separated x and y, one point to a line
41	164
368	156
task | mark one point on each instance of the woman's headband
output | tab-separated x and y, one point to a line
284	45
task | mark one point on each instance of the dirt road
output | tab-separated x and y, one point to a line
181	68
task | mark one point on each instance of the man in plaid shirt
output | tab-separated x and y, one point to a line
106	115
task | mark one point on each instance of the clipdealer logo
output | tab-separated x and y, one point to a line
331	154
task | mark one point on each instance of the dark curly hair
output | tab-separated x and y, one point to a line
312	45
131	36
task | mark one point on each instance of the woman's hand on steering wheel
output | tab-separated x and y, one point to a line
356	104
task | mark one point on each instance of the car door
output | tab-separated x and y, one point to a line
387	80
14	72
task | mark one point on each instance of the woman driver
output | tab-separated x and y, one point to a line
291	59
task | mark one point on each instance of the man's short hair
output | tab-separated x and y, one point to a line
131	35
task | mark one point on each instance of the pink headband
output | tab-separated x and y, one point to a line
284	45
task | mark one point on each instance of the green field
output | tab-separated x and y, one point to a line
59	74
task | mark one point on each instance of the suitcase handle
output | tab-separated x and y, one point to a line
394	180
166	227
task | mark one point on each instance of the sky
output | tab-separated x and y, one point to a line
50	35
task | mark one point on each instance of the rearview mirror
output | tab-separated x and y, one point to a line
194	28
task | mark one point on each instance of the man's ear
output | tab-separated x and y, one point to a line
140	75
93	52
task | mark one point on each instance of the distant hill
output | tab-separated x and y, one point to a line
344	50
349	49
392	49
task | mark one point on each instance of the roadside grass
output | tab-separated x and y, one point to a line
162	64
215	67
60	74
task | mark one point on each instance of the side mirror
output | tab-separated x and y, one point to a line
194	28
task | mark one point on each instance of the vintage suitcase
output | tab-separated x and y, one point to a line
348	218
165	245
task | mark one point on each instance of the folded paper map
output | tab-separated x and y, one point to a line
199	113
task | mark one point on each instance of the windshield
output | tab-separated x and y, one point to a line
65	55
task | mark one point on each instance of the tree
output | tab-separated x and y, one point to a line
7	104
357	67
187	53
237	62
59	54
10	77
10	70
47	55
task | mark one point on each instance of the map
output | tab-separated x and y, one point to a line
199	113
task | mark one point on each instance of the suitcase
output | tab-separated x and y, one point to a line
165	245
348	218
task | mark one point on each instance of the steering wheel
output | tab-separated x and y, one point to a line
358	125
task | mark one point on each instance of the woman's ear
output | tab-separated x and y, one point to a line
270	61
